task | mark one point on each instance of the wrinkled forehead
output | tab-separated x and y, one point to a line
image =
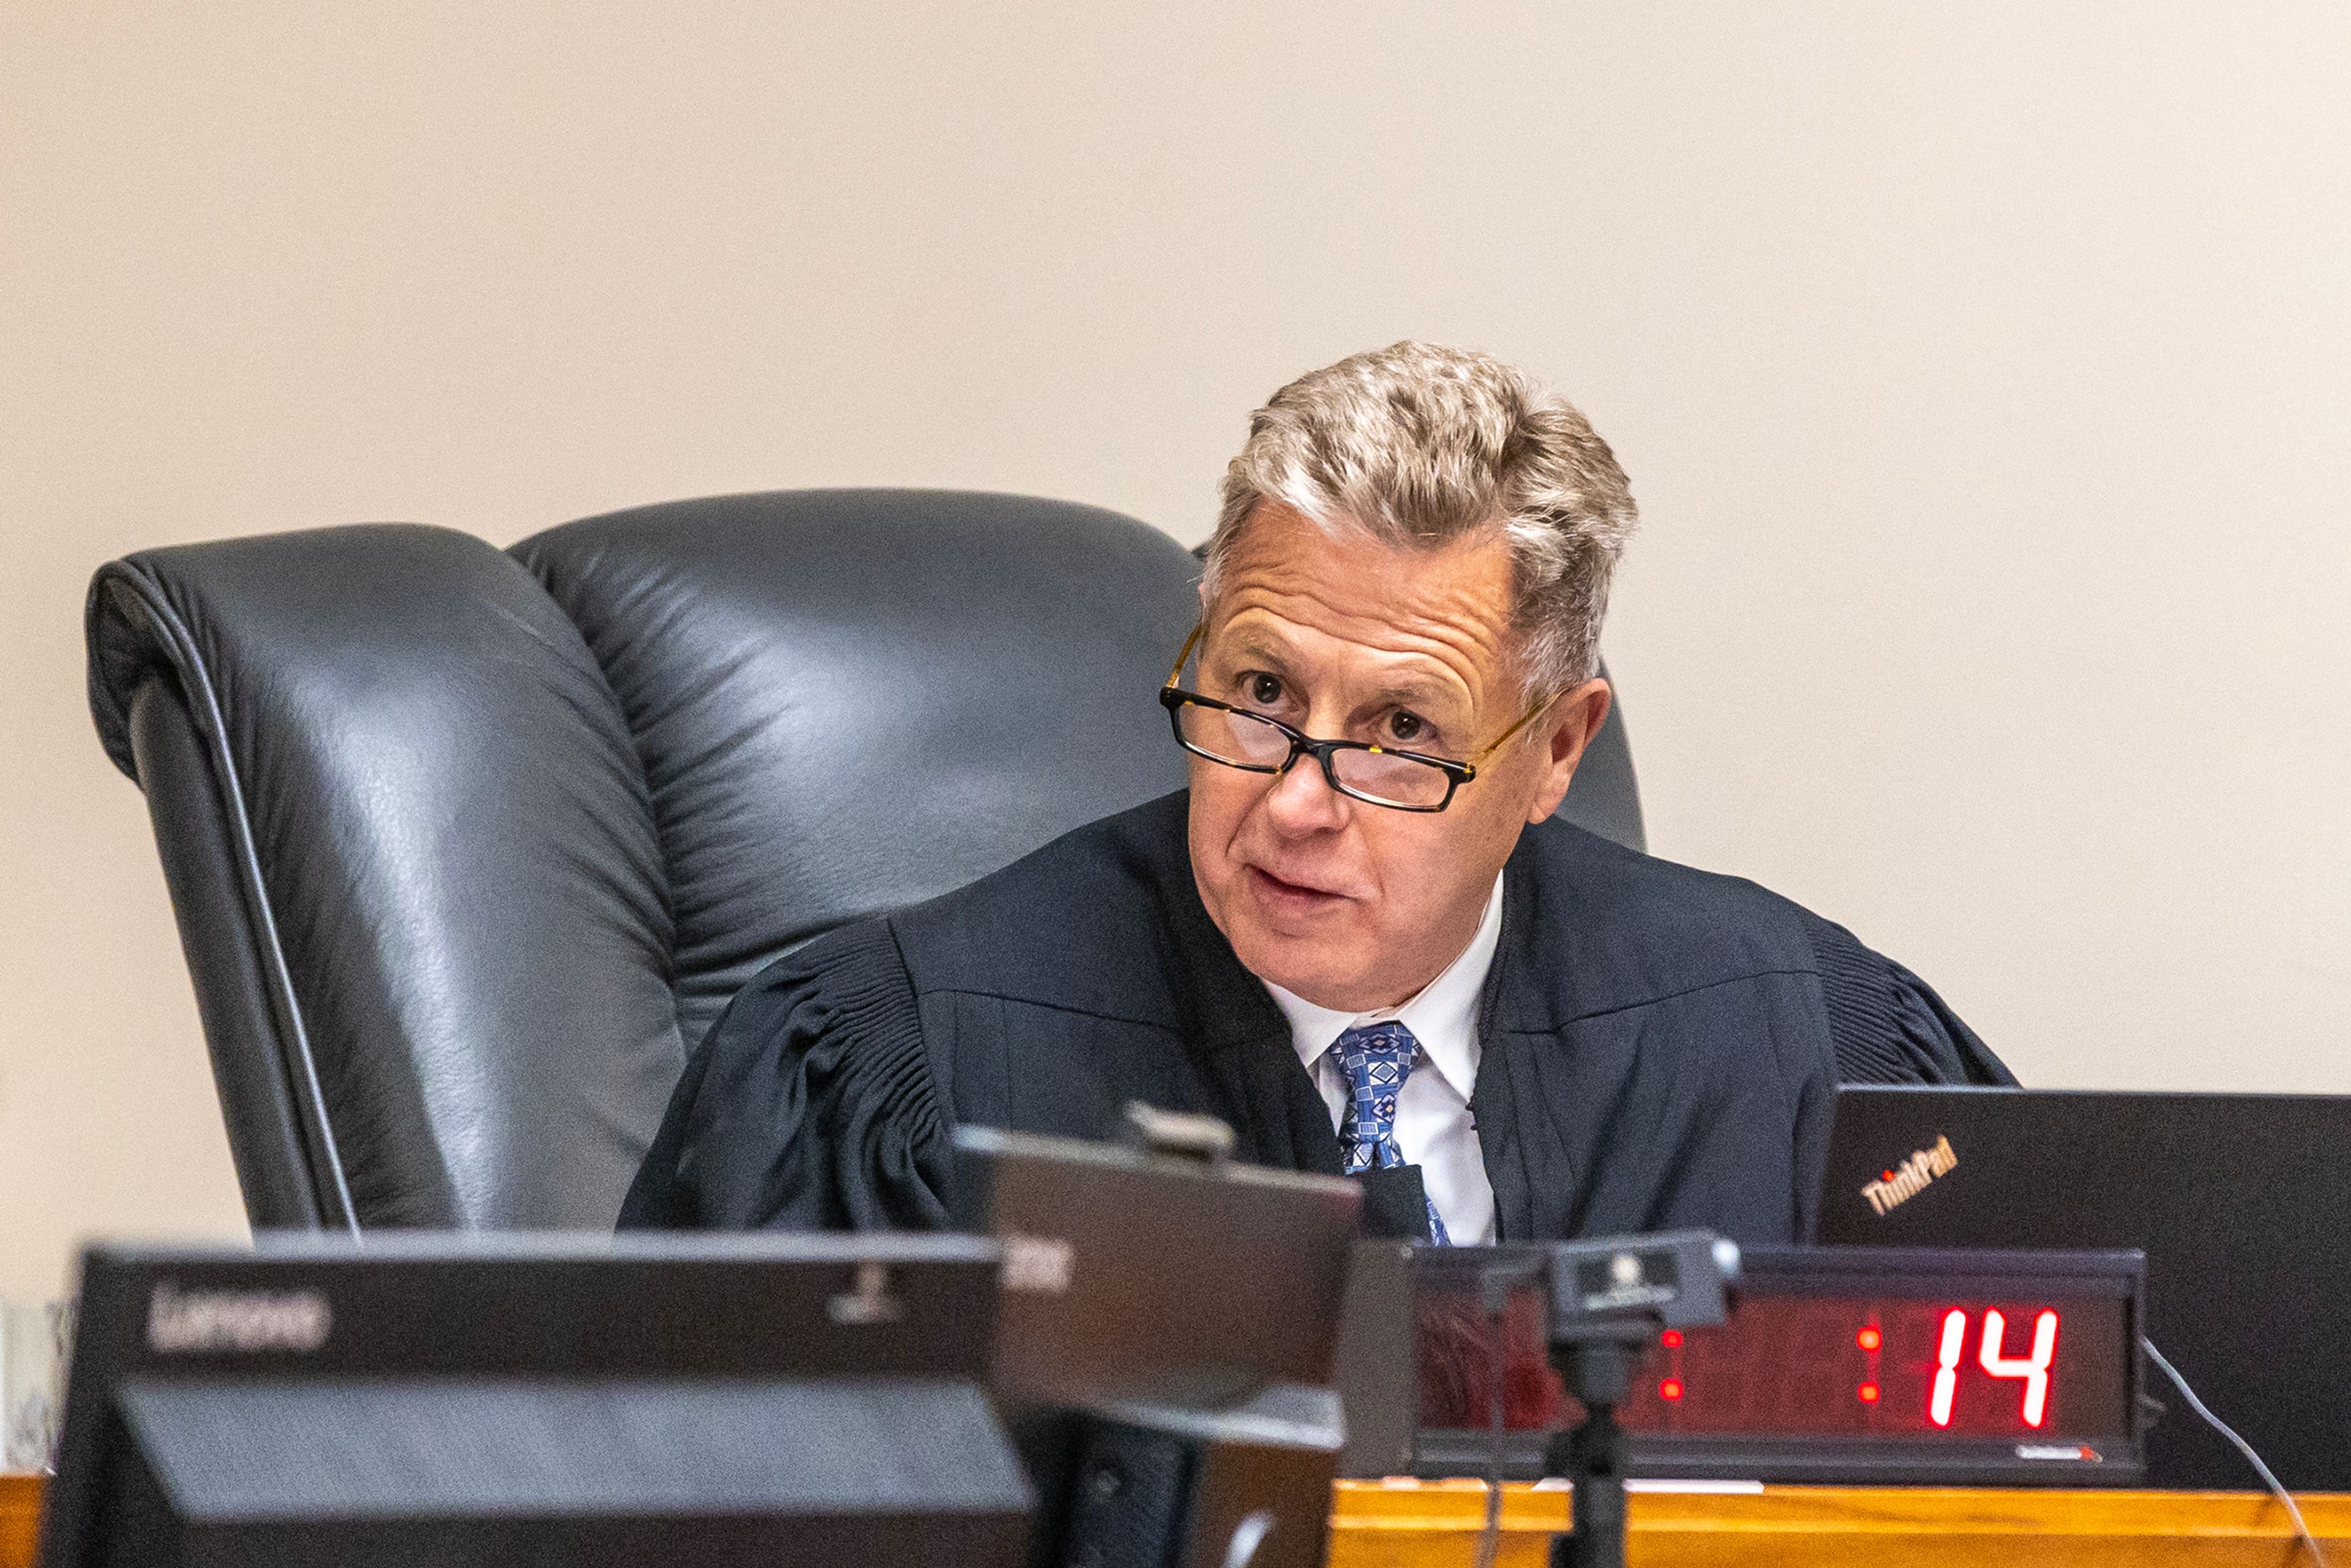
1339	594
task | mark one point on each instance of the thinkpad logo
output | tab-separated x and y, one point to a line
1910	1177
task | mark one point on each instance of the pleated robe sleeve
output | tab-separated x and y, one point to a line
1887	1026
811	1105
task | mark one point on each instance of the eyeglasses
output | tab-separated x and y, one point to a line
1377	775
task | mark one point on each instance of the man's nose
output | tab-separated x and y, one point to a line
1302	801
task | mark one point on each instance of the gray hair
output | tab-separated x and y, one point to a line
1418	445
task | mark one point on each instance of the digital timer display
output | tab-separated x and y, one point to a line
1825	1364
1820	1356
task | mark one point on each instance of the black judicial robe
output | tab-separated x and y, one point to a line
1660	1045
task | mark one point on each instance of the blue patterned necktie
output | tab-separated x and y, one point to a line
1377	1059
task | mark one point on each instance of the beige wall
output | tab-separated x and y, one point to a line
1983	369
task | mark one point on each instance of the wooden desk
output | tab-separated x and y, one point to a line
20	1518
1378	1525
1389	1525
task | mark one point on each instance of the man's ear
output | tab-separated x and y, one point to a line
1561	735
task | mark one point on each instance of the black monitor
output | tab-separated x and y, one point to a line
1166	1350
486	1399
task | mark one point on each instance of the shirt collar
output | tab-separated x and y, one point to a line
1443	1017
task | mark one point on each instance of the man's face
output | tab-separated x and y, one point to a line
1352	905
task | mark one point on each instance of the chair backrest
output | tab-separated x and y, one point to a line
469	848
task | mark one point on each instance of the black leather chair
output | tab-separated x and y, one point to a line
468	847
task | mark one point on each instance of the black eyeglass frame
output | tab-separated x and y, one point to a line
1175	699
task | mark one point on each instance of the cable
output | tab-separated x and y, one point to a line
1489	1540
2253	1458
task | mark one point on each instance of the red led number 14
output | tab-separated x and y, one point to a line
2033	1369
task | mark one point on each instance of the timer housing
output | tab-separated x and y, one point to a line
1835	1365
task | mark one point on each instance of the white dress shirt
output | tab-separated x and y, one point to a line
1434	1129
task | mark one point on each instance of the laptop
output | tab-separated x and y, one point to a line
2242	1203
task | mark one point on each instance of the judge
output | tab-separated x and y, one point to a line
1358	937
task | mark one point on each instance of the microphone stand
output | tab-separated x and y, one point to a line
1598	1371
1610	1298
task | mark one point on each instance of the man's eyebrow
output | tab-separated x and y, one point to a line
1415	693
1420	693
1259	650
